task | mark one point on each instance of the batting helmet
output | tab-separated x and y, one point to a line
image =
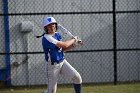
48	20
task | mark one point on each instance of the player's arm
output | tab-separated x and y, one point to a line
69	48
63	44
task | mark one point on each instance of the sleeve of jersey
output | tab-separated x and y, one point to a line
51	39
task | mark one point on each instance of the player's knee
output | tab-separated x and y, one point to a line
77	79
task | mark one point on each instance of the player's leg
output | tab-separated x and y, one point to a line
52	79
52	73
69	71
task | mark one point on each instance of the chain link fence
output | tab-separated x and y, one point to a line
111	39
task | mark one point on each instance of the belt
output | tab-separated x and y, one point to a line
56	62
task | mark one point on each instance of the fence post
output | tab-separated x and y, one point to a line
7	42
114	42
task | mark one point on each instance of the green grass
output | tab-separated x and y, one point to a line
122	88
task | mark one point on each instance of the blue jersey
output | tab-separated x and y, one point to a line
55	53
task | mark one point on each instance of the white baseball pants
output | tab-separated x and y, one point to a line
64	68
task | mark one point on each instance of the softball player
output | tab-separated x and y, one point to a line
54	48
